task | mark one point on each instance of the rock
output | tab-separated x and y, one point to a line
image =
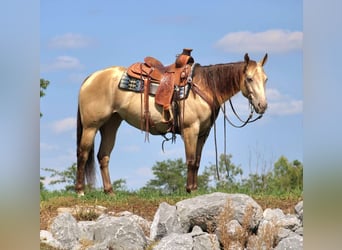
165	222
290	221
231	221
299	211
175	241
144	224
293	242
86	230
65	230
118	233
47	238
204	241
204	210
273	214
197	239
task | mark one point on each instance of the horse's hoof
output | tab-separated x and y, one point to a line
109	192
80	193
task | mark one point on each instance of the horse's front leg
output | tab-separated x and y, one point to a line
190	143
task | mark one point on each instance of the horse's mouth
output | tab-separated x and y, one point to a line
260	108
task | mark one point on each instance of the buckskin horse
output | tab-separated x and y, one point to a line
102	106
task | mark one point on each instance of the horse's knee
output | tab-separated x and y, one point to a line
104	161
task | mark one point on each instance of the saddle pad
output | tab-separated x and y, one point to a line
137	85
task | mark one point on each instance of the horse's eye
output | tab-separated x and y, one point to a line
249	79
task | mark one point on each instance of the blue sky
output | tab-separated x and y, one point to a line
80	37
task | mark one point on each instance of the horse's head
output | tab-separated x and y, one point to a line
253	84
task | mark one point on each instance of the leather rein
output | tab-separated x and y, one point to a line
244	123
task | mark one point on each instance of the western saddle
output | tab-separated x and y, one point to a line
168	77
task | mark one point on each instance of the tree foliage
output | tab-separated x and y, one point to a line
170	176
67	177
288	175
43	85
226	173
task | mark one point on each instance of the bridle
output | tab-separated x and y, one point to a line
244	123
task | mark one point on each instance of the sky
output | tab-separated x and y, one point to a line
79	37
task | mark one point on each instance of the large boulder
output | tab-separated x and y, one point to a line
118	233
204	210
165	222
65	230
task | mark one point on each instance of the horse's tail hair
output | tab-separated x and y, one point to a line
90	164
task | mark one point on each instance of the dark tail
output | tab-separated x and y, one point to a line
90	164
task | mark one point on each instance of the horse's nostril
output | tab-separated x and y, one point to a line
262	105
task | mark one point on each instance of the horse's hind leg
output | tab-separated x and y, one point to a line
108	135
84	159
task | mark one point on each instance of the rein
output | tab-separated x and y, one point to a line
244	123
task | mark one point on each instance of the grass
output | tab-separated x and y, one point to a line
143	204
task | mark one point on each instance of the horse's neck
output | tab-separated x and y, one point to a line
222	80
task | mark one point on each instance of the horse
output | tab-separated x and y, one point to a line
102	106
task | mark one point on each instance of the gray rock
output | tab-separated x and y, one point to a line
299	210
290	221
293	242
118	233
204	241
187	225
175	241
204	210
144	224
86	230
165	222
65	230
276	216
47	238
273	214
196	240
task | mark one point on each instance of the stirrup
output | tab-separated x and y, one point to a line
167	116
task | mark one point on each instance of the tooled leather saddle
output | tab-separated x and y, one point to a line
167	78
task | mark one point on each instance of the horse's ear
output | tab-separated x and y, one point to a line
246	58
264	60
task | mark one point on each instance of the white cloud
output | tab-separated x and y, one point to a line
280	104
276	41
62	63
64	125
70	41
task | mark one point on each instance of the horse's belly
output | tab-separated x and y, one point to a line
133	114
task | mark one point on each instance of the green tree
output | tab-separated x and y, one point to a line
42	187
67	177
119	185
170	176
43	85
227	173
287	175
